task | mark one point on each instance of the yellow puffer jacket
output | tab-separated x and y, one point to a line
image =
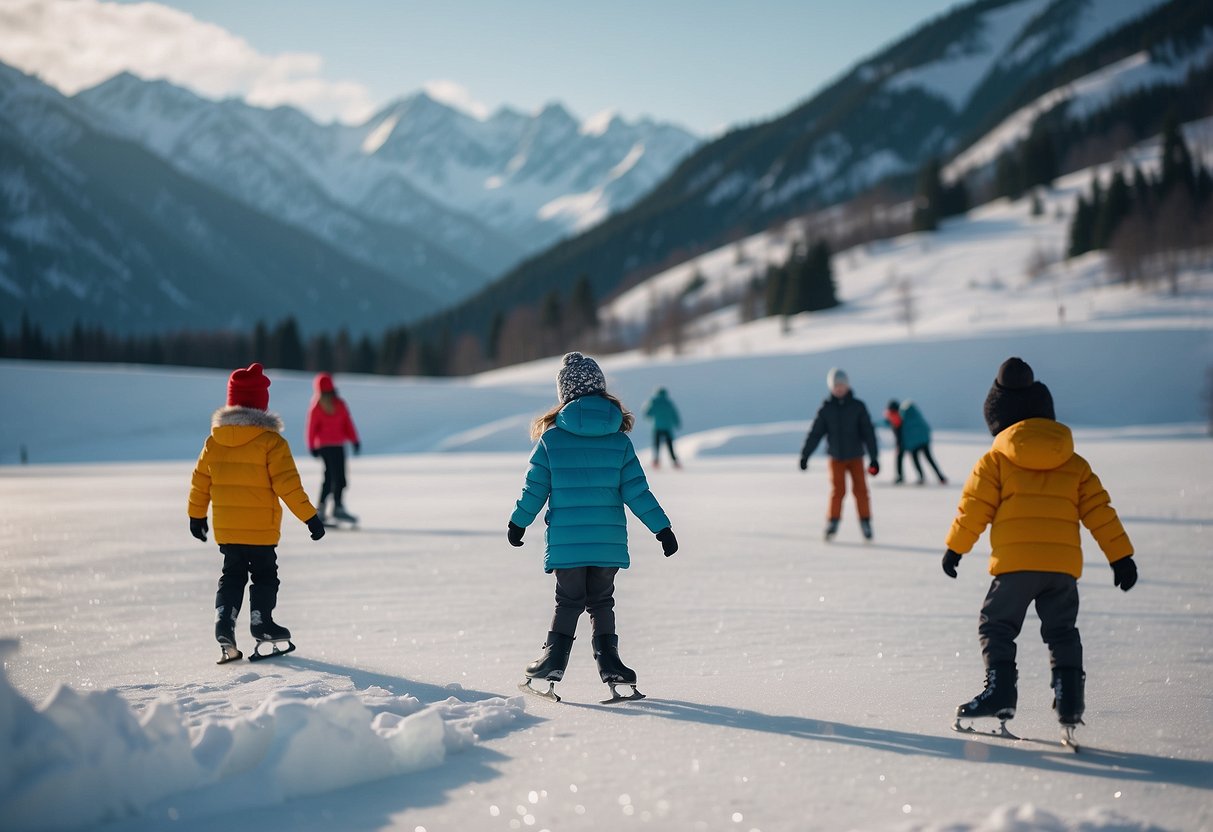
244	468
1035	490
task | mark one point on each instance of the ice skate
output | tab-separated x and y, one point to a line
612	670
339	513
831	529
225	634
1069	693
263	628
997	701
550	665
865	526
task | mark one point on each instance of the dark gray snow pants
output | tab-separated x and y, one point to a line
1006	605
585	589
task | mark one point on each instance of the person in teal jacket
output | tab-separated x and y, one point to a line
585	470
913	434
665	421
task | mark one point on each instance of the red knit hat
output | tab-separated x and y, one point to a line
249	387
324	383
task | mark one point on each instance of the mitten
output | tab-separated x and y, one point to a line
316	526
198	528
804	463
1124	573
357	448
514	534
951	560
669	543
316	452
874	468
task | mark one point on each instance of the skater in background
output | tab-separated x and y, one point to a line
843	421
329	427
1035	491
585	469
244	469
913	435
664	414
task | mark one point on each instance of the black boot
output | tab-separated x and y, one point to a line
263	628
999	697
555	658
831	528
610	667
1069	694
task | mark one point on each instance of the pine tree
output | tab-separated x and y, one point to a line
492	344
821	294
364	356
929	199
583	307
261	343
1082	228
1008	178
777	283
288	346
1176	159
1117	205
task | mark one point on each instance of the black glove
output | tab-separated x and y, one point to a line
316	452
514	534
804	463
316	526
874	468
1124	573
669	543
357	448
198	528
951	560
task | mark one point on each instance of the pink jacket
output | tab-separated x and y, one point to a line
334	428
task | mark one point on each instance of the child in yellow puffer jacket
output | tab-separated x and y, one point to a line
1034	490
244	469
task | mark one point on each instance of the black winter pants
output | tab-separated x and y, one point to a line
925	450
334	473
241	562
666	436
1006	605
585	589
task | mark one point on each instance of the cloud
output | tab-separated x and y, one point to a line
75	44
456	95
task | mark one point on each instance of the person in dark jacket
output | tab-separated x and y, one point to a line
913	434
843	421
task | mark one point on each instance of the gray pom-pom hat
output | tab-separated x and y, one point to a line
579	376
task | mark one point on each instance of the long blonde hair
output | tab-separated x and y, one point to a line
542	423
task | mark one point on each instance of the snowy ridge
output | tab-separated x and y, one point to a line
85	758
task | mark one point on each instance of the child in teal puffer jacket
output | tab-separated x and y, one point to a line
585	469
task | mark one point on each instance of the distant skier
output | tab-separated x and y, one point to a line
1035	490
585	469
913	435
329	427
244	469
843	421
665	418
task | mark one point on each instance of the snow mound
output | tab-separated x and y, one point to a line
85	758
1028	818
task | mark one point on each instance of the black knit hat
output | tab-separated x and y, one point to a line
1016	395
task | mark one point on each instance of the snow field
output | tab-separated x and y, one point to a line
792	684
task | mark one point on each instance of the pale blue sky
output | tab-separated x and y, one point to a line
704	65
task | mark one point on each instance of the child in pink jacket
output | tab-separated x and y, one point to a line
329	427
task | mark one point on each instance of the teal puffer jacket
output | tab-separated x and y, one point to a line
586	470
662	411
915	432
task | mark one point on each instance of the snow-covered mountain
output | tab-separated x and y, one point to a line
488	191
96	229
932	94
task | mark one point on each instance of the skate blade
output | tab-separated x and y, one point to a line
275	650
550	693
229	654
615	697
967	725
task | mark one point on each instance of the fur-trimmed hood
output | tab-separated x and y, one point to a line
233	425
